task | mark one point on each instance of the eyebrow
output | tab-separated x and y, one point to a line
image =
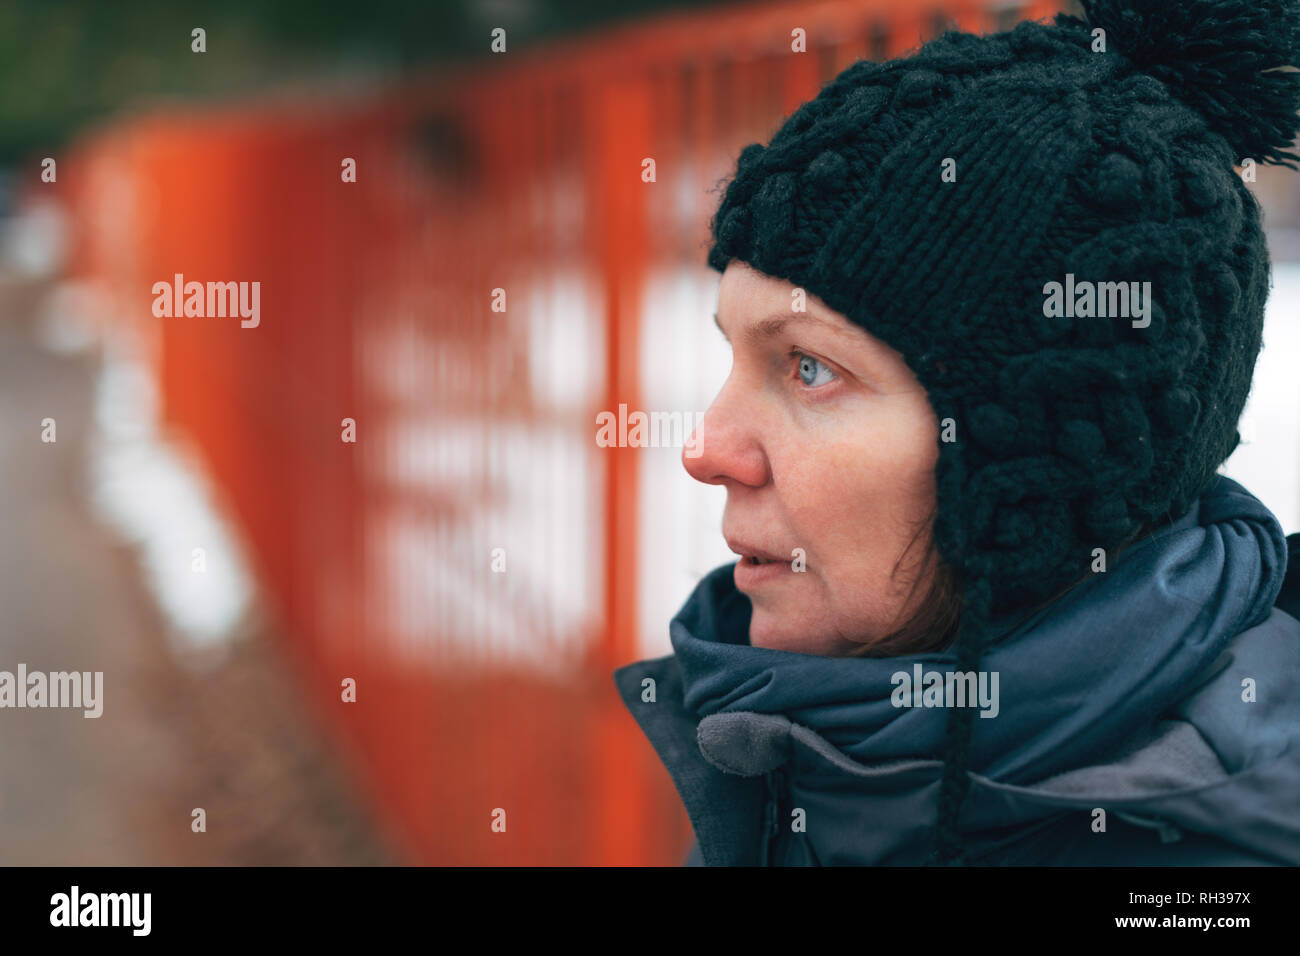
772	325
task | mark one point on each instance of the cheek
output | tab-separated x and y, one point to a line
855	501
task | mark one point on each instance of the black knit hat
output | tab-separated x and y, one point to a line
1084	152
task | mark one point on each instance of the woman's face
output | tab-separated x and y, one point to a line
825	442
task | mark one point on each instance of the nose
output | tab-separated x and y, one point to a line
726	447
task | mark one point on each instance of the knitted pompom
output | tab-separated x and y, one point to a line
1236	62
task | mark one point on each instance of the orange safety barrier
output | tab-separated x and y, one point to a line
477	690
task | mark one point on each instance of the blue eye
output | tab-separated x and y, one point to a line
809	372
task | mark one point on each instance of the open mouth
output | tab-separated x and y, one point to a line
758	570
751	557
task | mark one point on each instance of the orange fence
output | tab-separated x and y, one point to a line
470	302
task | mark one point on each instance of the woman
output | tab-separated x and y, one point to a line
994	311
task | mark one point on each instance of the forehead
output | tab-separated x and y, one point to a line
754	309
757	306
769	326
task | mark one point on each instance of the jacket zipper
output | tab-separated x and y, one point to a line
771	816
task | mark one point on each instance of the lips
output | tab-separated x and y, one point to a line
758	568
752	553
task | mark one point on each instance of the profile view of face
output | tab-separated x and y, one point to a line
826	444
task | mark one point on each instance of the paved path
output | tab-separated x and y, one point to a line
237	741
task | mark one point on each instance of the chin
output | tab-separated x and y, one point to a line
776	635
764	632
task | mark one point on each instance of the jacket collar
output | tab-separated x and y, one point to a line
725	808
1182	772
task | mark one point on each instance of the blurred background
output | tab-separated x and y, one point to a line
460	266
